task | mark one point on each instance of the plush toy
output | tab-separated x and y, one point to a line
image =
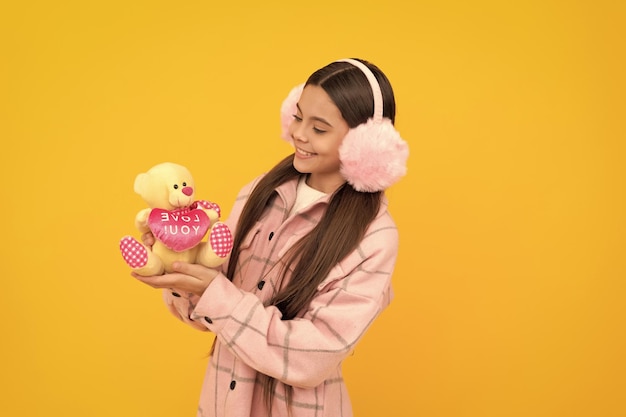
178	223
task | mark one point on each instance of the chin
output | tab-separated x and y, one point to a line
298	167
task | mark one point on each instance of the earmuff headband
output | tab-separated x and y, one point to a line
378	95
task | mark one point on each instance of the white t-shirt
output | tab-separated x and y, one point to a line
305	196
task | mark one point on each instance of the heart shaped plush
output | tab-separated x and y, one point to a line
180	229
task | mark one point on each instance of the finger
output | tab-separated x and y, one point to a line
161	281
186	283
147	239
195	270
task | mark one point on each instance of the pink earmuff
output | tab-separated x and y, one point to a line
373	155
288	109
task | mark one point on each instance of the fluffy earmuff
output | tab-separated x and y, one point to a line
373	155
288	109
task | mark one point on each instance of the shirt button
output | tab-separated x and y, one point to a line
208	320
232	385
260	285
271	235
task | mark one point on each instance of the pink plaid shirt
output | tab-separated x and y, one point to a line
306	352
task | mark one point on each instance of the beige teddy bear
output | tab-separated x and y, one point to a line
178	223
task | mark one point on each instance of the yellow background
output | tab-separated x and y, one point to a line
510	293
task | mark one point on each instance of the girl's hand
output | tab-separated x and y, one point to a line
186	277
148	239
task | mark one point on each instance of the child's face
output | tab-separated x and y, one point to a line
318	130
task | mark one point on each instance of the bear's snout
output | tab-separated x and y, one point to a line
187	191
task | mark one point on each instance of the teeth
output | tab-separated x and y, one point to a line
304	153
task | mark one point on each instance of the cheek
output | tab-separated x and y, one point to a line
336	144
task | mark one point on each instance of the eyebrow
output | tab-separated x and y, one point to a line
317	118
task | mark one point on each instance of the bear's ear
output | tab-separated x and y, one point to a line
140	183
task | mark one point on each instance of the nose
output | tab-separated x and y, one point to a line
297	135
187	191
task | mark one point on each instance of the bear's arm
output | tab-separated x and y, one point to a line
141	220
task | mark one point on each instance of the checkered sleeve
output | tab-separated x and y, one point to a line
304	351
181	305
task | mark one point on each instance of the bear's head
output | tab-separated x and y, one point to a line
167	185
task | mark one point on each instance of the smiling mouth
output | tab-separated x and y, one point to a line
304	153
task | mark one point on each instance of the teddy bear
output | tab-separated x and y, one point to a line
178	223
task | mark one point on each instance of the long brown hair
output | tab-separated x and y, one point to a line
347	217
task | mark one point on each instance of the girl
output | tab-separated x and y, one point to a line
314	251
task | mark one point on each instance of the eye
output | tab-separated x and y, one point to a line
318	131
184	184
176	186
297	118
